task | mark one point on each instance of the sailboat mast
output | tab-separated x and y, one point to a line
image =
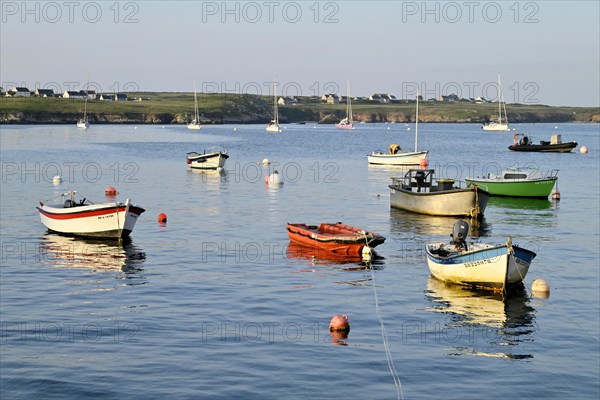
349	102
417	125
85	108
275	102
499	100
503	102
196	104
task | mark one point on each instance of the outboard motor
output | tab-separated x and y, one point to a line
459	234
420	179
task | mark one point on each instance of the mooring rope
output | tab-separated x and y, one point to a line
386	346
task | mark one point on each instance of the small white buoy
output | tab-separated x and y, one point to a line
408	129
57	179
266	161
583	150
540	288
135	127
556	127
235	129
219	169
274	179
367	253
388	128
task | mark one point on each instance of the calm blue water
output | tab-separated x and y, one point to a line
215	305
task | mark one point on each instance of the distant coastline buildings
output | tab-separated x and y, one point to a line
329	98
18	91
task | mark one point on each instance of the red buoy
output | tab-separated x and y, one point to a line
162	218
423	163
339	323
110	191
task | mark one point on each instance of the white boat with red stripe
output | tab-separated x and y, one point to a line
78	216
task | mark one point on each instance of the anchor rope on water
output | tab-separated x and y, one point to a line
386	346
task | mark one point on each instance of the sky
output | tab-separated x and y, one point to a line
545	52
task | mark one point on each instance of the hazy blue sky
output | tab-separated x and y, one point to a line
546	52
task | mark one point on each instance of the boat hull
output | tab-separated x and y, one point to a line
545	148
194	126
533	188
404	158
455	202
491	267
207	161
83	124
345	126
336	238
273	128
494	126
108	220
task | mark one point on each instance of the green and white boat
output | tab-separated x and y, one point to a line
517	182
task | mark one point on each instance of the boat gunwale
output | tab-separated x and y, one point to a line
438	192
501	180
468	253
98	209
369	238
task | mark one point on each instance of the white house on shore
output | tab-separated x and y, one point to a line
382	98
17	91
330	98
43	93
286	101
73	95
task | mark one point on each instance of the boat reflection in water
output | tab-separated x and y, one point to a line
340	262
523	211
520	203
96	255
323	257
409	223
482	323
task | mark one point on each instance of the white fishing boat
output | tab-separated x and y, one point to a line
347	123
212	159
417	193
81	217
502	123
195	123
273	126
496	267
396	155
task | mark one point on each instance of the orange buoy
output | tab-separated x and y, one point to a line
339	323
162	218
556	195
423	163
110	191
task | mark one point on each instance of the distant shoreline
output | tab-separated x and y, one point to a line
177	108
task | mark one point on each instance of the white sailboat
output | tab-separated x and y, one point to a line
84	123
347	123
398	157
502	124
273	126
195	123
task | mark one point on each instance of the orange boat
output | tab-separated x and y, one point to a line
337	238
